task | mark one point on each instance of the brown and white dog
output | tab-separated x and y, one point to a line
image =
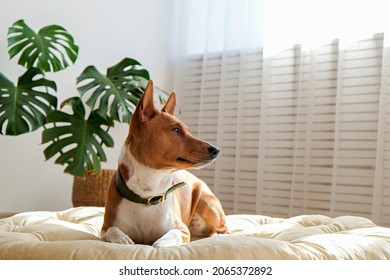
153	199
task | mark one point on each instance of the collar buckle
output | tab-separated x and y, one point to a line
154	200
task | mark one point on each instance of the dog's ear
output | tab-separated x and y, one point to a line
145	109
170	105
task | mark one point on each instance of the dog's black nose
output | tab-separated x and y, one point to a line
214	151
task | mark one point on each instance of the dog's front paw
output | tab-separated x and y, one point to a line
171	238
115	235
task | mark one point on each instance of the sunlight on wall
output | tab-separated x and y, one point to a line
313	23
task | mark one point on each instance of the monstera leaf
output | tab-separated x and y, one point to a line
115	94
78	140
44	50
23	108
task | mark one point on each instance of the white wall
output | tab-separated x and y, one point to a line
106	32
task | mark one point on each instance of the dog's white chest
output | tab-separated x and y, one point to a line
144	224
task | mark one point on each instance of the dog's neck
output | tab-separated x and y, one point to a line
143	180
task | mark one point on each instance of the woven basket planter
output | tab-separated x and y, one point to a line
91	190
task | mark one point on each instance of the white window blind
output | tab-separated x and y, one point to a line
302	132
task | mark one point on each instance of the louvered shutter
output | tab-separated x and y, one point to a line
302	132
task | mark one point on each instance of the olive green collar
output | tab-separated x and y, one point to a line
132	196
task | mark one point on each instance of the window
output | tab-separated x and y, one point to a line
304	131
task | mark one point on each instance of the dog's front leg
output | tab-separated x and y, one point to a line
173	237
115	235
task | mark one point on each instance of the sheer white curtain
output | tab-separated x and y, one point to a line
303	125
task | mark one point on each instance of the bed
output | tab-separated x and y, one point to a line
74	234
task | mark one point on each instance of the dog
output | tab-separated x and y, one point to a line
153	199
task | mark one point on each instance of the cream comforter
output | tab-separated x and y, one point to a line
74	234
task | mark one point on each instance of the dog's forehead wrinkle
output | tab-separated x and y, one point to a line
171	120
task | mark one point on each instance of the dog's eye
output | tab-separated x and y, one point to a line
176	130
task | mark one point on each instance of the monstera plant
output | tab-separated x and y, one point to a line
77	132
24	106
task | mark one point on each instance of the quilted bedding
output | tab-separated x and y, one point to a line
74	234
